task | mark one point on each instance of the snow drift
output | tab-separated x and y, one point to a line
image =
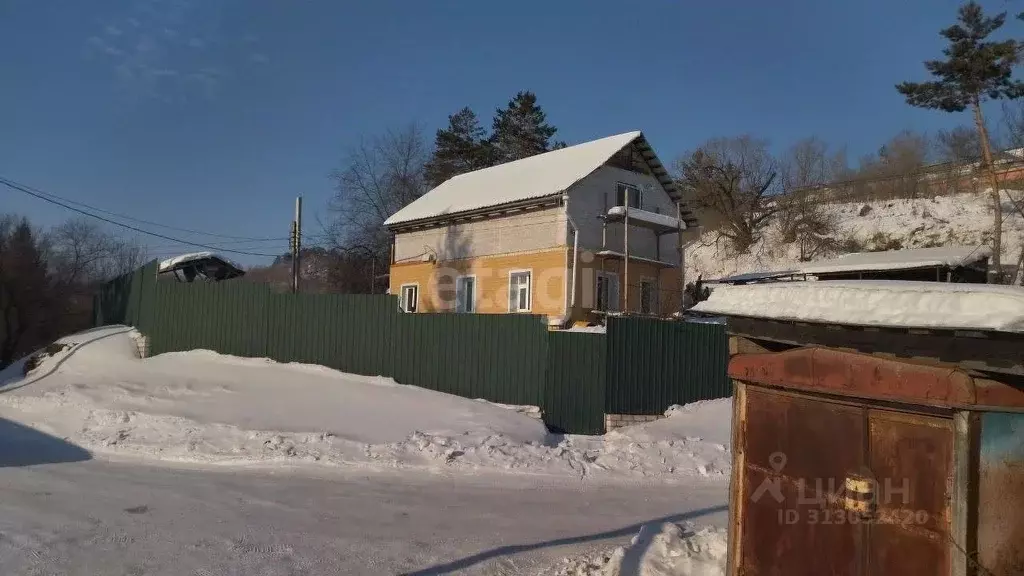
204	407
657	550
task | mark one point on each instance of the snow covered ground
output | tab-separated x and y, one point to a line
206	408
100	517
198	463
964	219
665	549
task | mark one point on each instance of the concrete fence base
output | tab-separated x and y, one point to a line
141	345
613	421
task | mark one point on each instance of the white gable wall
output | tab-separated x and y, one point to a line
522	232
591	198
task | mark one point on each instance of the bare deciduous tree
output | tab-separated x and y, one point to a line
957	149
1013	124
83	253
736	179
806	167
895	172
378	178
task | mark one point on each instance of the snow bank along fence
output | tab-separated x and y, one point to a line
639	368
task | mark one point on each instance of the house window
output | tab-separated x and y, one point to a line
648	296
519	291
465	294
410	297
628	195
607	292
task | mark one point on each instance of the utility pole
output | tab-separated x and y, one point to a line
296	244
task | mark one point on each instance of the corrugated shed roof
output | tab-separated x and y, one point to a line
901	259
755	276
534	177
875	303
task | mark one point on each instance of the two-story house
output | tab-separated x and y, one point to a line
547	235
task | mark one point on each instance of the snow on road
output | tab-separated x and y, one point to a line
665	549
99	517
199	463
206	408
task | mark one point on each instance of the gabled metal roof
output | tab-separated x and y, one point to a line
531	178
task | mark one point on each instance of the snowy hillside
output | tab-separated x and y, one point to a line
208	408
964	219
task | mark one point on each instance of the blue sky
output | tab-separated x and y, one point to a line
215	114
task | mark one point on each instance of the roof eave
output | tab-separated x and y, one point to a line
441	218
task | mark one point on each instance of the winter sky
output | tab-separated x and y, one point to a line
214	114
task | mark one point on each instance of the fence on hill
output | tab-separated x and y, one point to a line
641	366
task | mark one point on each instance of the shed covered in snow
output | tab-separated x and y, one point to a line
964	264
881	423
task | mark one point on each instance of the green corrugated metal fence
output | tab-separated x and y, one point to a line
495	357
653	364
348	332
575	389
124	300
227	317
641	366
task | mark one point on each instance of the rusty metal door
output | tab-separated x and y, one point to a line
911	462
838	488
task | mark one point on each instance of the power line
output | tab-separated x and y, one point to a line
15	186
232	242
133	219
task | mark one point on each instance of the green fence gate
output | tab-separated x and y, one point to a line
575	388
653	364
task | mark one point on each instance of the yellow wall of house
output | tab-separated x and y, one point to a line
666	284
639	271
437	281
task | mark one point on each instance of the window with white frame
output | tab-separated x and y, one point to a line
648	296
410	297
607	292
465	294
519	291
628	195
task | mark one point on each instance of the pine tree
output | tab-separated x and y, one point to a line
460	148
521	130
975	70
25	308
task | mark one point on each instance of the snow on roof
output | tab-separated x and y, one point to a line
654	220
875	303
172	262
534	177
901	259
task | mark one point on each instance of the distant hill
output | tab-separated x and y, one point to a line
964	219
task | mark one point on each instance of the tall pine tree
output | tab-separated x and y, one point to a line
521	130
461	147
975	70
26	310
